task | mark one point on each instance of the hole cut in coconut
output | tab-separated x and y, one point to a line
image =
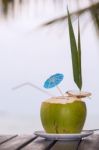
62	100
78	94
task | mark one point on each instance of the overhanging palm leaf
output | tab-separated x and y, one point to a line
95	17
93	9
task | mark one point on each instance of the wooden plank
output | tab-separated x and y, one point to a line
66	145
5	138
90	143
17	142
39	144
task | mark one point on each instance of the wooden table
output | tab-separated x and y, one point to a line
32	142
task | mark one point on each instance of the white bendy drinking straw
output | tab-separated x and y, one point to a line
34	86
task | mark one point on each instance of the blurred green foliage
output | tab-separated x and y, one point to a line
93	9
5	6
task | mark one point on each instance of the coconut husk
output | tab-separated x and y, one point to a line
78	94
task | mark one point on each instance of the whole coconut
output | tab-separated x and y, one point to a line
63	115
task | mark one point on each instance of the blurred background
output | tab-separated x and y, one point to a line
34	43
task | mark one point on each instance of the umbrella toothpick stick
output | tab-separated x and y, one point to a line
60	90
34	86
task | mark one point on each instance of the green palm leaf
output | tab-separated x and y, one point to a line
79	58
75	53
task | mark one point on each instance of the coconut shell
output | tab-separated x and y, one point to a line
78	94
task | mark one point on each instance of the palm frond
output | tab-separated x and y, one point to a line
5	5
95	16
79	56
93	7
75	53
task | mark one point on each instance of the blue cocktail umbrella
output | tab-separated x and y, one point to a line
53	81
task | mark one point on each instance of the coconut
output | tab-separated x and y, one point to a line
63	114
